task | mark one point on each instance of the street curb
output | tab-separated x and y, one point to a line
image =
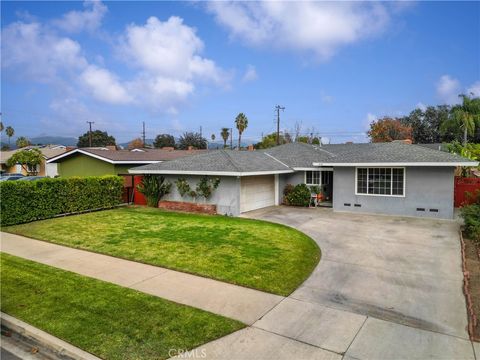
472	318
44	340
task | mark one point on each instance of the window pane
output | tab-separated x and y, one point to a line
309	177
362	181
398	179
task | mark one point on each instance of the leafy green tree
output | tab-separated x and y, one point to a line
193	139
10	132
303	139
99	138
426	124
22	142
164	140
225	134
154	188
270	140
241	121
28	159
465	117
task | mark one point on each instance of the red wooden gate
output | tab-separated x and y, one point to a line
138	198
466	190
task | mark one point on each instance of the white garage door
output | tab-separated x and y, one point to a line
257	192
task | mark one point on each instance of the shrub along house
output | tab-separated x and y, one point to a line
386	178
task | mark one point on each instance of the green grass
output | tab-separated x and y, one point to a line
252	253
107	320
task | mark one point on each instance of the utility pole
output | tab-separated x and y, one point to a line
143	134
90	133
231	138
278	108
200	131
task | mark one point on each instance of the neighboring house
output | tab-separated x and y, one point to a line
108	161
43	169
385	178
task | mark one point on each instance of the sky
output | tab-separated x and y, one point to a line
179	66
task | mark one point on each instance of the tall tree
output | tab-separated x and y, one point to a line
22	142
1	126
164	140
10	132
135	144
388	129
99	138
270	140
465	117
193	139
225	134
426	124
241	122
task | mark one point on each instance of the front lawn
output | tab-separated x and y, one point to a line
107	320
252	253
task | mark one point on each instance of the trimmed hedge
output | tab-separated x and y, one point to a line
300	195
25	201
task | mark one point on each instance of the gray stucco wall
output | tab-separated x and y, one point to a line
425	187
226	196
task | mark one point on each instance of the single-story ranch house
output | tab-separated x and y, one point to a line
109	161
385	178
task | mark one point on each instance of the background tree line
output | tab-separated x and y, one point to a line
434	124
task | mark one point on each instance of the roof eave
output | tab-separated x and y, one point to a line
380	164
212	173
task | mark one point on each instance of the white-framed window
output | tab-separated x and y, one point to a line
312	177
380	181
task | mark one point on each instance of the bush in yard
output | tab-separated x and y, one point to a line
471	219
299	196
24	201
154	188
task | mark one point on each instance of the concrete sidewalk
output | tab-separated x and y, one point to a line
236	302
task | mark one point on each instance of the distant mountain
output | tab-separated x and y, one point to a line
57	140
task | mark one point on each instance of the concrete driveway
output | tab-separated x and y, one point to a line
385	287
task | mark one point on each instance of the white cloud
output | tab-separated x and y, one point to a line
32	51
317	27
326	99
104	85
250	74
474	89
368	120
168	49
421	106
448	89
90	19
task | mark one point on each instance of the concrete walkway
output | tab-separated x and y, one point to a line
236	302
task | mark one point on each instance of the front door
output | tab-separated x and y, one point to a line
327	185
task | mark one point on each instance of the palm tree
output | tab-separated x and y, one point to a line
9	131
242	122
466	116
225	134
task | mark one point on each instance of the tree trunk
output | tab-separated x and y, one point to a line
224	143
465	133
239	139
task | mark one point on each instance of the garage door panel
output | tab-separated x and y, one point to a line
257	192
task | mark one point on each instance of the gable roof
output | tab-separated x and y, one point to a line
298	156
145	156
218	162
390	154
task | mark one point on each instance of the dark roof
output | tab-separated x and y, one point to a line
299	155
219	161
119	156
293	156
393	152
